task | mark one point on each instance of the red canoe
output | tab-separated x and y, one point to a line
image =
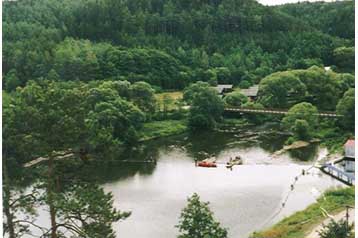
207	164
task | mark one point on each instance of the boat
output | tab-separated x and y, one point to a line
232	162
207	164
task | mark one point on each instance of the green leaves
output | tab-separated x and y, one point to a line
337	229
90	208
315	85
206	106
345	107
113	122
197	221
235	99
301	120
281	89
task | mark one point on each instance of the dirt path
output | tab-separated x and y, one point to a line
337	217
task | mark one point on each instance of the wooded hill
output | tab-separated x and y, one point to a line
168	43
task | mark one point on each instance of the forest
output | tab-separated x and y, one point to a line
84	76
170	44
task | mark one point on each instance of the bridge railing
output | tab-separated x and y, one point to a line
277	111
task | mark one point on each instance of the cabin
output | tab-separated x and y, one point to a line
251	92
222	89
349	156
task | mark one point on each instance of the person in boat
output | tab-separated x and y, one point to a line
230	160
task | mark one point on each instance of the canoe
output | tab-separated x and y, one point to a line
207	164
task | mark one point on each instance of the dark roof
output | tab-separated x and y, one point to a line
251	91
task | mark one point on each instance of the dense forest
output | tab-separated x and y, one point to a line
85	77
170	44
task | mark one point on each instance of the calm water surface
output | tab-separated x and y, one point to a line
246	199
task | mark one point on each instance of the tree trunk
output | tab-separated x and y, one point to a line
6	202
50	185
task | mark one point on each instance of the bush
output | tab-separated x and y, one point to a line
235	99
244	84
335	229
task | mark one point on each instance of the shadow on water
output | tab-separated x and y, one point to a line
305	154
142	159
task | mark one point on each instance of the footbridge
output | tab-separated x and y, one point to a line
274	111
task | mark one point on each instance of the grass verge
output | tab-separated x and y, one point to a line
302	222
157	129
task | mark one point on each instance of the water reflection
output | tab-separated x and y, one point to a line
142	159
154	179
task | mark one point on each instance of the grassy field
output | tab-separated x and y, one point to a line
175	96
302	222
156	129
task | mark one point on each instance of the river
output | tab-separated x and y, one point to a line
244	199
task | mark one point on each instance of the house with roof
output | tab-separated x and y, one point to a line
224	88
349	156
251	92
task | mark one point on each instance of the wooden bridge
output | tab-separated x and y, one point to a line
274	111
339	174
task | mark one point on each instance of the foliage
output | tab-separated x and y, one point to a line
345	107
142	95
298	224
315	85
244	84
169	44
62	116
113	122
301	129
206	106
301	120
156	129
281	90
255	118
235	99
344	58
197	221
337	229
333	18
87	211
11	80
193	89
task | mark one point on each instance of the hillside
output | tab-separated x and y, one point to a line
225	41
336	18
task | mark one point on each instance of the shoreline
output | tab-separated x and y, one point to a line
301	223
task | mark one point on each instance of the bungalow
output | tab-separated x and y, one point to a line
224	88
349	154
251	92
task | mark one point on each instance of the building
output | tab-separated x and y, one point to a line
251	92
349	156
224	88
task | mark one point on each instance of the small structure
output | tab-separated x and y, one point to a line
343	168
224	88
349	156
251	92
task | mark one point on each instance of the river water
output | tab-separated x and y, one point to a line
244	199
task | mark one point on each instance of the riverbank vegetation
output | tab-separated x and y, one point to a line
300	223
158	129
93	77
